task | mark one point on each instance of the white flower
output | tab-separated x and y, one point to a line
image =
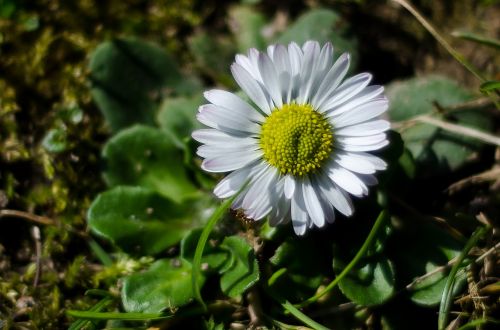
303	143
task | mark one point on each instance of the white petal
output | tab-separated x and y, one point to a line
229	162
248	66
270	79
340	201
367	128
296	56
370	147
355	163
281	209
362	140
289	186
298	212
230	185
348	89
223	119
378	163
283	68
313	205
211	151
234	103
348	181
331	81
311	51
366	95
321	66
362	113
368	179
252	88
214	136
258	194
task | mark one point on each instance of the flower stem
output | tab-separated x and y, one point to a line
362	251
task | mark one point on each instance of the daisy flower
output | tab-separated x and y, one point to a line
302	143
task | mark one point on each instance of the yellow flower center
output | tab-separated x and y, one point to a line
296	139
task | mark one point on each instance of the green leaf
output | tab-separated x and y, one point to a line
490	86
213	55
241	271
247	26
433	149
371	283
128	76
147	157
477	38
431	247
304	273
372	280
177	116
322	25
140	221
167	284
213	256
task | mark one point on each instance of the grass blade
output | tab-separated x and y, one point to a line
447	297
302	317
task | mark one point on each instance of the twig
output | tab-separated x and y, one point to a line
428	26
449	265
467	131
254	308
35	233
27	216
493	174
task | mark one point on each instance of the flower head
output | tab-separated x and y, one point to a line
303	143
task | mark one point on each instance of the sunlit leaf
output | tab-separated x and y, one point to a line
140	220
370	283
167	284
432	148
147	157
128	77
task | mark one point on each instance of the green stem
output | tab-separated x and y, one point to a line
362	251
202	241
446	298
302	317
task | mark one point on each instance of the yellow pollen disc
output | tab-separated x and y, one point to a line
296	139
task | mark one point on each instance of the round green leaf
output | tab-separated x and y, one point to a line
140	220
416	96
322	25
147	157
432	148
167	284
177	116
241	271
126	74
372	283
